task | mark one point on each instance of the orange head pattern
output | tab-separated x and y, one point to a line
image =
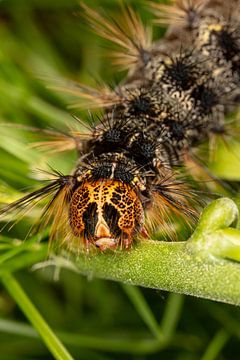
106	213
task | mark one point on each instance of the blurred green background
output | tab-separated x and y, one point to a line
95	319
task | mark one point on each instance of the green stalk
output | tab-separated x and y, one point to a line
172	314
24	259
216	345
52	342
207	265
109	342
143	310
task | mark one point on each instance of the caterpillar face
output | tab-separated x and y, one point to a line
106	213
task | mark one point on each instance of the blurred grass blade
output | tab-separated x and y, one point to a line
214	348
143	309
52	342
172	314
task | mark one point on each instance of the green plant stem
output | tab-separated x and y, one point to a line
172	314
216	345
198	267
24	259
227	320
110	342
52	342
143	309
18	247
167	266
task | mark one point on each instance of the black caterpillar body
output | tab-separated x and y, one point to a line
129	175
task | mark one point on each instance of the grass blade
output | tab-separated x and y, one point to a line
52	342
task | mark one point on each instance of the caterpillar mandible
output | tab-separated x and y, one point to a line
132	167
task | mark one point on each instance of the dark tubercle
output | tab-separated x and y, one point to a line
206	97
229	42
142	150
122	173
176	129
114	136
114	169
140	105
112	140
101	171
182	72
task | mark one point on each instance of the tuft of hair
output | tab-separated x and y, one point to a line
102	96
56	210
183	13
53	141
171	200
195	166
56	143
129	34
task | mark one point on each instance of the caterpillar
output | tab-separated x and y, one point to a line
134	163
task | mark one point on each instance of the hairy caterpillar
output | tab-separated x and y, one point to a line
132	166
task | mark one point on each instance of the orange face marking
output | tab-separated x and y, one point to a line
106	213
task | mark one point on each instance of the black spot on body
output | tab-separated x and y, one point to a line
85	194
90	219
111	216
116	197
140	105
206	96
228	43
176	129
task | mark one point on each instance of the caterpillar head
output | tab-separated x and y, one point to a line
106	213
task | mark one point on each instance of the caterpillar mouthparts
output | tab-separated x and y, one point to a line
134	164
